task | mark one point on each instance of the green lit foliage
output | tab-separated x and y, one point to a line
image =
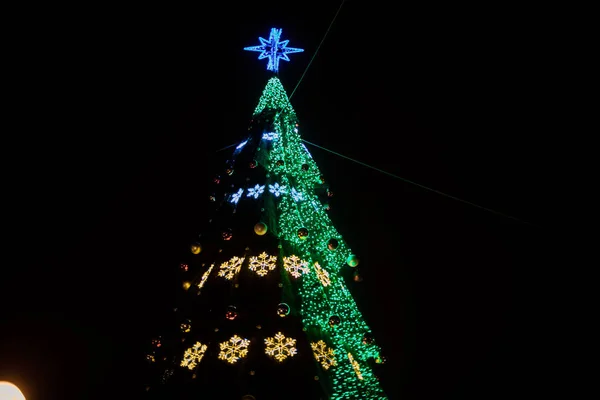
286	159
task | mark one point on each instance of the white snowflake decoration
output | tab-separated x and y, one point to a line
322	275
280	347
324	354
193	355
277	190
263	263
296	195
270	136
234	349
229	268
295	266
236	196
256	191
205	276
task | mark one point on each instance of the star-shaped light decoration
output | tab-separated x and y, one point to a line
274	50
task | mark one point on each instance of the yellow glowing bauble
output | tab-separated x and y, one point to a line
196	248
260	228
186	285
8	391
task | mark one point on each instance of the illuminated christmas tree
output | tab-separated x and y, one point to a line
264	311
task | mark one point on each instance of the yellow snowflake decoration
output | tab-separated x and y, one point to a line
229	268
322	275
355	366
295	266
263	264
234	349
323	354
280	347
205	276
193	355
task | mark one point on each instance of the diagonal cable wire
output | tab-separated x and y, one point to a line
422	186
318	47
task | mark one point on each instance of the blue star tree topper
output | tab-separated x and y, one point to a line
274	49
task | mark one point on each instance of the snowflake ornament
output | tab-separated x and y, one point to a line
322	275
323	354
295	266
277	190
205	276
256	191
296	195
270	136
229	268
280	347
236	196
234	349
263	264
355	366
193	355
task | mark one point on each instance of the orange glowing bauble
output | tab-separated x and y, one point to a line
8	391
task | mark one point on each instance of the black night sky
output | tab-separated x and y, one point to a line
110	136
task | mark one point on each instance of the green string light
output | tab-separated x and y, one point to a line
291	166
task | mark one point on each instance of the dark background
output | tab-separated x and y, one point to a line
111	127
